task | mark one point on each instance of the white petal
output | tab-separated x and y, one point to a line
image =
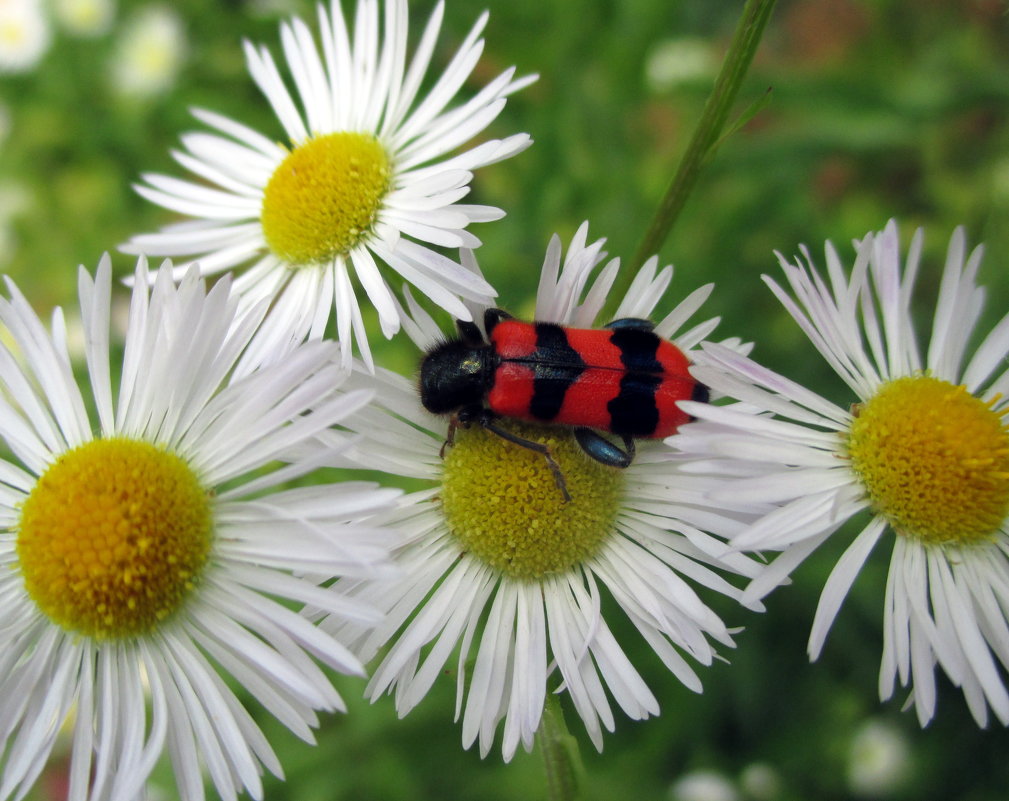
839	583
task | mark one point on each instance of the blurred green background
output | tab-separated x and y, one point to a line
879	109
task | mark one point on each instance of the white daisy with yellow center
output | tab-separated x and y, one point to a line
497	567
362	178
25	34
149	52
89	18
922	447
148	557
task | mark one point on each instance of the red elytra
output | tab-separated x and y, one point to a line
622	380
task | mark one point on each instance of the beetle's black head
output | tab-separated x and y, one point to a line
454	374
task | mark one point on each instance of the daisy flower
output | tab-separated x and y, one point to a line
149	52
921	449
496	566
88	18
162	550
25	35
363	178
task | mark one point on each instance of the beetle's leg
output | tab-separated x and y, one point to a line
538	447
602	450
632	322
473	413
453	424
469	333
460	419
492	317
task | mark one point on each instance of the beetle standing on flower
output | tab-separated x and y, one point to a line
623	379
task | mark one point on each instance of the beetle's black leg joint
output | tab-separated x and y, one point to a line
461	419
538	447
700	393
469	333
602	450
632	322
473	414
492	317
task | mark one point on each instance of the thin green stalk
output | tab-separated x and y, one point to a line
707	136
560	754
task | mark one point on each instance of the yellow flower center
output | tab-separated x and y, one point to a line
934	460
113	538
325	197
501	502
12	33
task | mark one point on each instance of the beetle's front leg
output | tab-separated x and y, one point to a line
461	419
453	424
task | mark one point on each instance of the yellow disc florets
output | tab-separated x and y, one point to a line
325	197
934	460
502	504
113	537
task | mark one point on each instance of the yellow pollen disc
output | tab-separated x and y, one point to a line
934	460
113	537
502	504
324	197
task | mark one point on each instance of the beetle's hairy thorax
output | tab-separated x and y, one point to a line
454	375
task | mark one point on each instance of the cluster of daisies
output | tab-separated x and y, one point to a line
167	536
148	46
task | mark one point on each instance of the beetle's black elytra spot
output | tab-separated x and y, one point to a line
637	349
633	412
556	366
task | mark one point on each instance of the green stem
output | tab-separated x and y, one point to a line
707	136
560	754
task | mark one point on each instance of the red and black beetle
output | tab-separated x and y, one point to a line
624	379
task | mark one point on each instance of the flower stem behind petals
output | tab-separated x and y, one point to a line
561	760
708	134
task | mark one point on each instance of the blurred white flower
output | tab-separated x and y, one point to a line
703	785
677	61
150	52
879	759
15	198
85	17
760	781
24	34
